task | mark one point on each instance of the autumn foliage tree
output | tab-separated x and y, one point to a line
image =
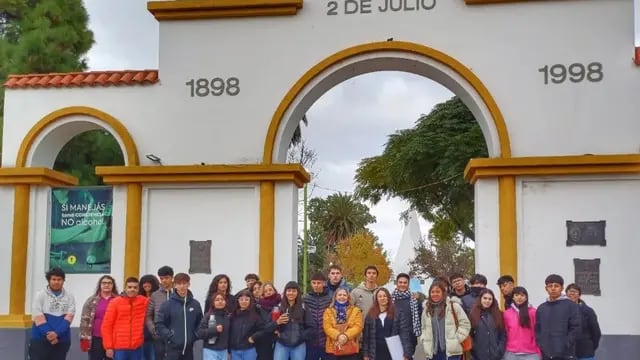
357	252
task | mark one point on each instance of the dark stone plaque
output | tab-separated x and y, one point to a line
586	233
200	257
588	275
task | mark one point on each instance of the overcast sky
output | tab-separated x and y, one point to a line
364	109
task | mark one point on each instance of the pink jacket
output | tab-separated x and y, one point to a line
519	339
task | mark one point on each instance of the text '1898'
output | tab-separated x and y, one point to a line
203	87
351	7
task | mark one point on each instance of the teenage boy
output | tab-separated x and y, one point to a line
336	280
178	320
557	322
406	302
506	284
589	339
478	282
362	296
123	324
52	312
317	301
159	297
459	287
249	280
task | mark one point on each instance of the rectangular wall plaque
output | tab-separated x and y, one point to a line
586	233
587	273
200	257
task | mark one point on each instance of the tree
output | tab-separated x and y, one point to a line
444	253
339	216
42	36
84	152
357	252
424	165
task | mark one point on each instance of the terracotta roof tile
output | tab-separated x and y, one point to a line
83	79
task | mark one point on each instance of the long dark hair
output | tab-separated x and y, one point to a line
114	289
213	287
296	311
494	311
151	279
523	309
431	306
375	309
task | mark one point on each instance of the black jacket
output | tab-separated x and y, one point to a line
178	320
404	306
296	332
589	338
248	324
316	304
558	327
206	333
470	299
401	326
488	340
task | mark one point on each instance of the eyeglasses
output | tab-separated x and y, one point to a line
107	283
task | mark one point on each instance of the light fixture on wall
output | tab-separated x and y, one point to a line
154	159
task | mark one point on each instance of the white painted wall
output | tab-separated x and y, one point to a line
269	54
6	235
80	285
545	206
228	215
286	235
486	228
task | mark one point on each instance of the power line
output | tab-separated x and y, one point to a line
399	191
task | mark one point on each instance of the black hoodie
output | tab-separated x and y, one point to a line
558	326
178	321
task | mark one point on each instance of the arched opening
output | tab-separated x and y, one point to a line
74	140
425	62
386	56
80	156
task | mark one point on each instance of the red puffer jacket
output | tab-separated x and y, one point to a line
123	324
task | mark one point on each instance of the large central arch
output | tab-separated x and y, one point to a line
381	56
394	56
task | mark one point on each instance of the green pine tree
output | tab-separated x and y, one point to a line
42	36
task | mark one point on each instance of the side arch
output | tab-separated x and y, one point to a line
280	118
107	121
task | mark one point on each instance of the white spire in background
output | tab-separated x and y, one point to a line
411	237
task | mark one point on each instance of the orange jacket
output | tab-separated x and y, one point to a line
354	326
123	323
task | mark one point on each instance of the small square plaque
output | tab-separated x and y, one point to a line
586	233
587	275
200	257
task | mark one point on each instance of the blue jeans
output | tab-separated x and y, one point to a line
441	355
209	354
589	358
282	352
128	354
246	354
315	353
148	351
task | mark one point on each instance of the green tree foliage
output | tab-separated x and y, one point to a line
85	151
339	216
42	36
424	165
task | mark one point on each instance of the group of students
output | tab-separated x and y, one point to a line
157	318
